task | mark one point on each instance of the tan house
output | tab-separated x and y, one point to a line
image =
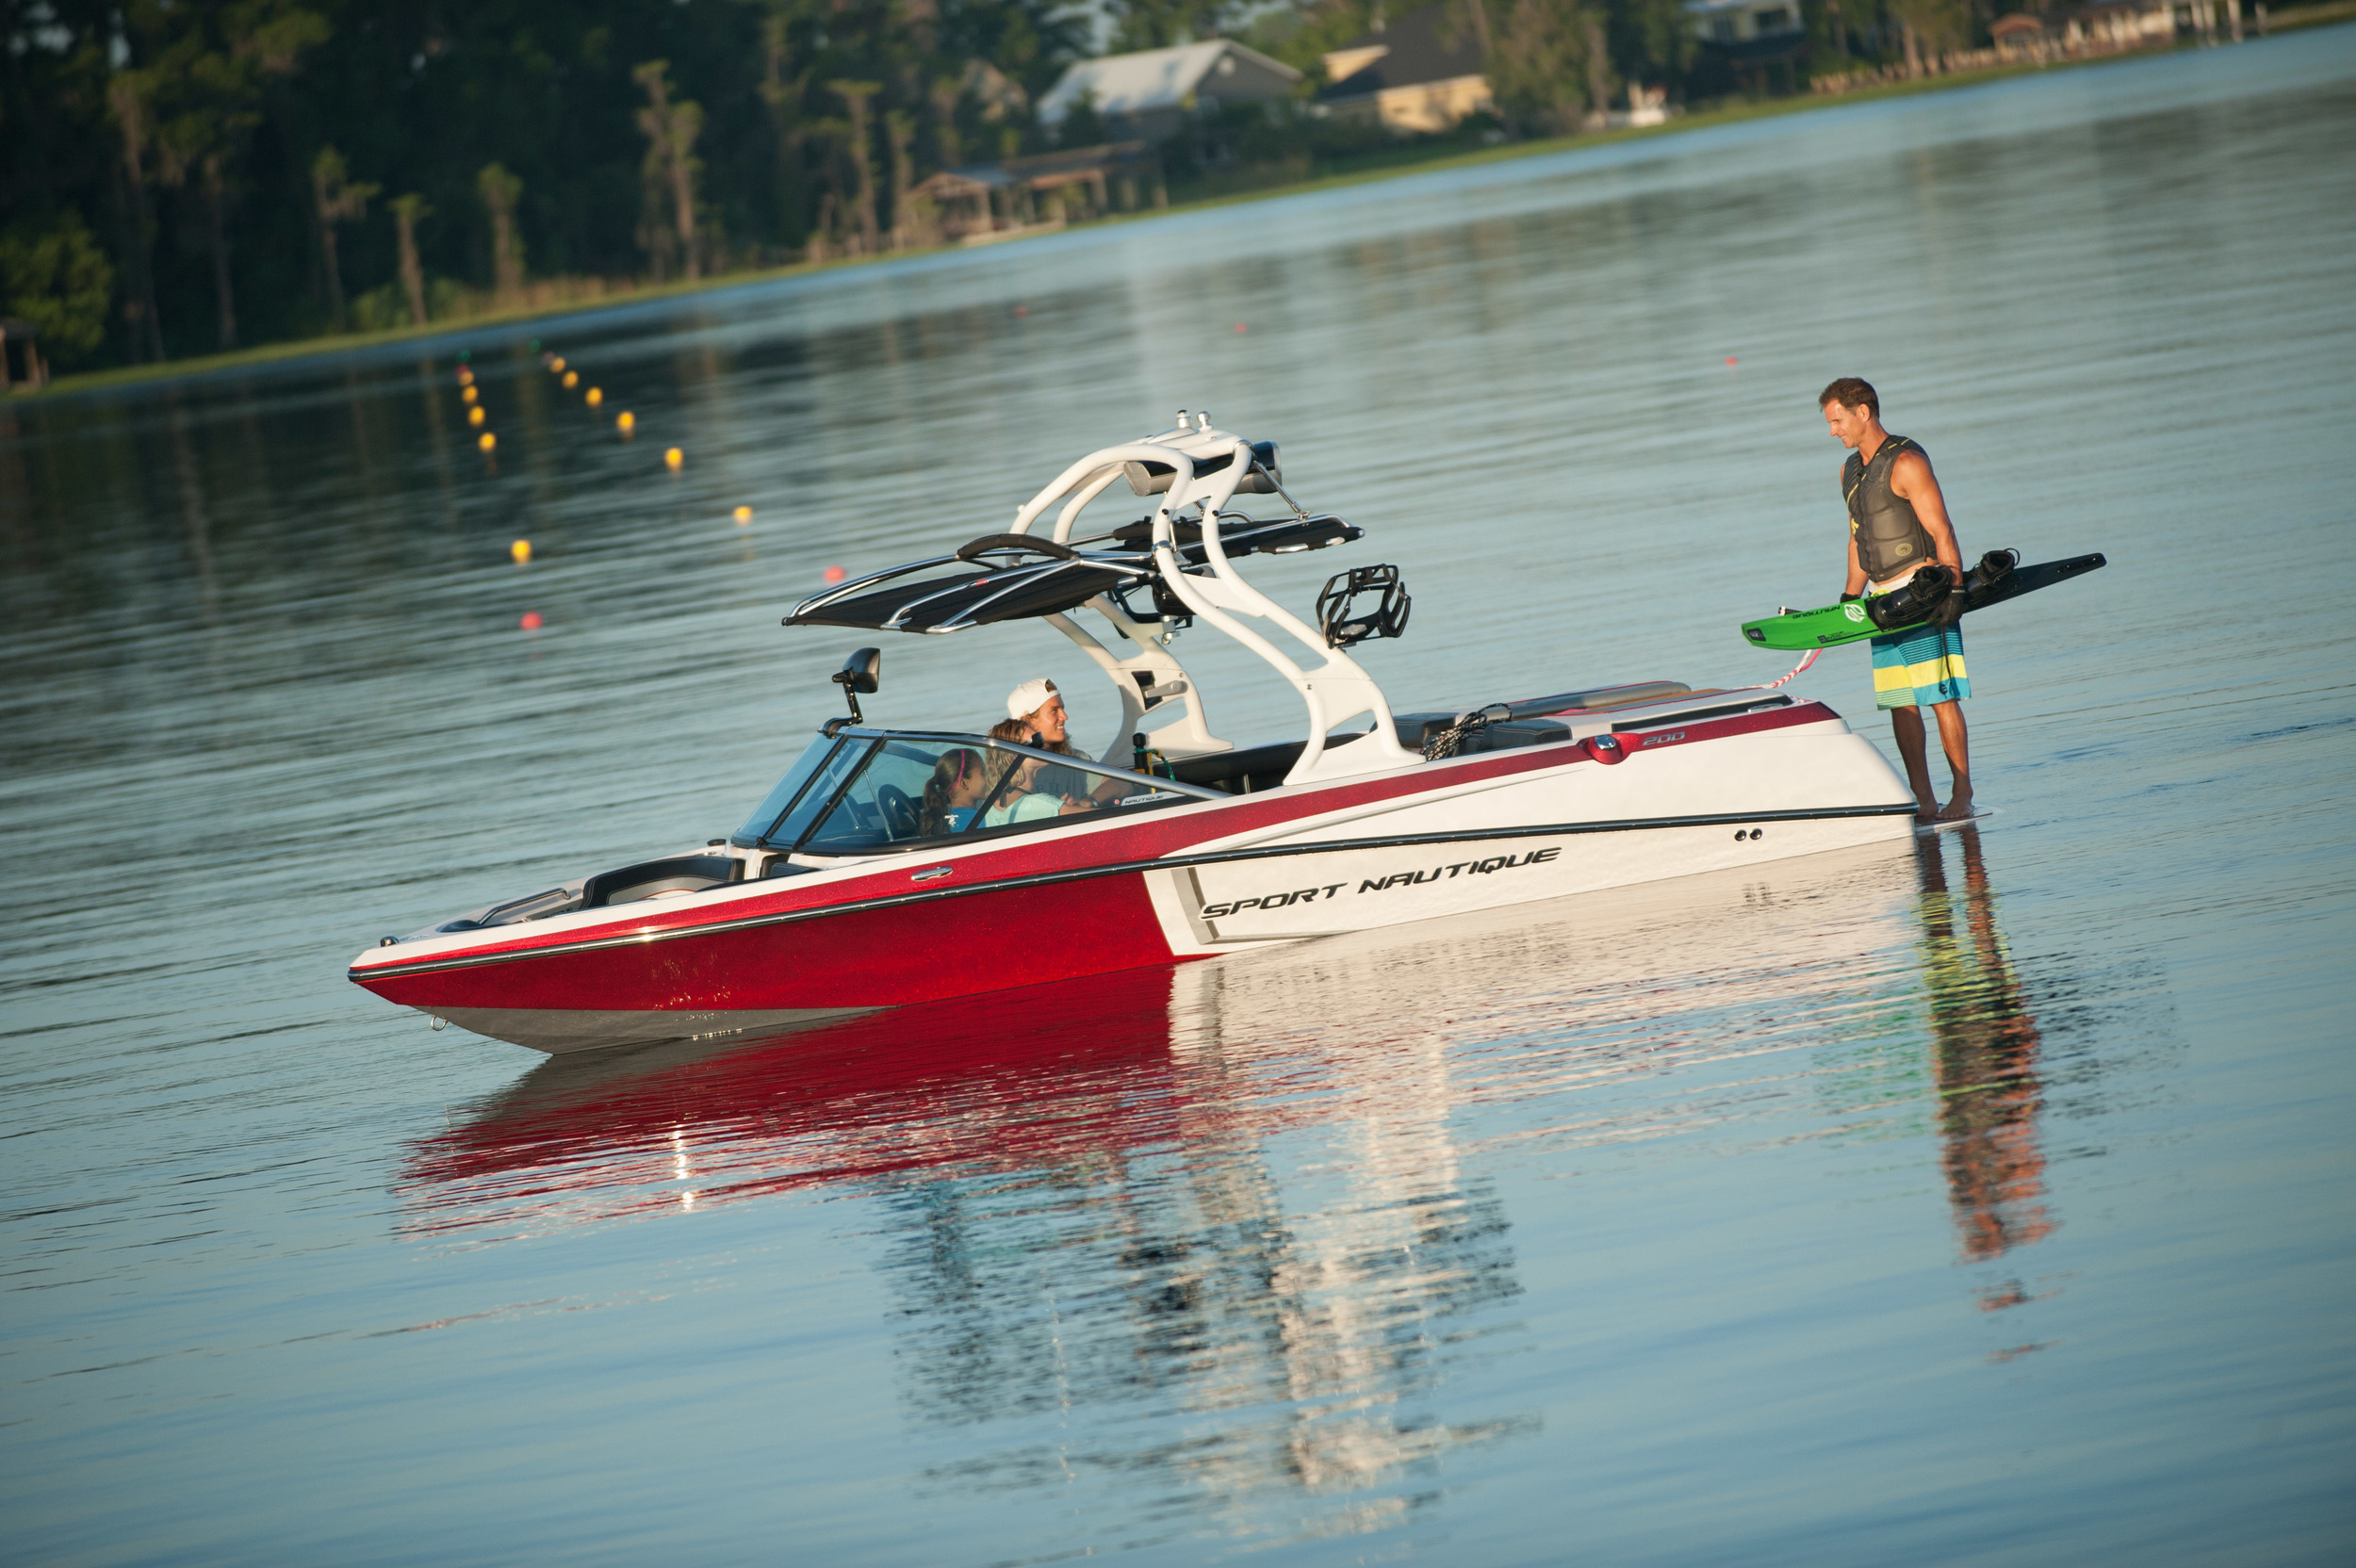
1422	72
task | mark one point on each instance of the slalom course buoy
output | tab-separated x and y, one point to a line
521	550
530	621
835	574
572	379
474	414
487	441
744	515
594	397
673	458
557	364
467	396
626	421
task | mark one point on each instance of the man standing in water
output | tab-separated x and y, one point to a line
1898	525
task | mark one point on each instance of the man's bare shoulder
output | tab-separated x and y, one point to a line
1910	466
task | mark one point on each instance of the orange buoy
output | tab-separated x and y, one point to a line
468	395
530	621
594	397
466	377
557	363
487	441
836	574
572	379
521	550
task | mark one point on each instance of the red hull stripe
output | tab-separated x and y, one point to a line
1079	873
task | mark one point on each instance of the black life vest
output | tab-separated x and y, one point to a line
1890	539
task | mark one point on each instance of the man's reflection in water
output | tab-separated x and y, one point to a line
1986	1047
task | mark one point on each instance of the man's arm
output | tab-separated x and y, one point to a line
1911	481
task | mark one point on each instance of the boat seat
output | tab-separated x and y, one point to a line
680	873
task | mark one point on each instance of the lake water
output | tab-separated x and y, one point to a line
1986	1200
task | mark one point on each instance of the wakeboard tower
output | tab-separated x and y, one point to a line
1999	577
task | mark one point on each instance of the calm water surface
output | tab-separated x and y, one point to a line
1981	1201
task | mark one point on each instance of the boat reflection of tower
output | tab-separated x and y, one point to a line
1986	1048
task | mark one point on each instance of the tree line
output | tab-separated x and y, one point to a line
182	176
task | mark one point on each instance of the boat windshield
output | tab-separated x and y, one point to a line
912	792
777	823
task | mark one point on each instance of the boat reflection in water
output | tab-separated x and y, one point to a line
1246	1195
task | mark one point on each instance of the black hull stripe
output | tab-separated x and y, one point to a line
1124	868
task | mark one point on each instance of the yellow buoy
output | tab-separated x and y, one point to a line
486	441
572	379
557	364
474	414
521	550
466	377
469	394
674	457
594	397
744	515
626	421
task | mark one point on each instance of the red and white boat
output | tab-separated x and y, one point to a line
877	871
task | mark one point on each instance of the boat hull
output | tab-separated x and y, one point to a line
1185	883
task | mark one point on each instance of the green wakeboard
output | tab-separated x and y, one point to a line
1798	629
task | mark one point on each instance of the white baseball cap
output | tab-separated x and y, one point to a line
1029	698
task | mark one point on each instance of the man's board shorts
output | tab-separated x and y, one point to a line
1920	668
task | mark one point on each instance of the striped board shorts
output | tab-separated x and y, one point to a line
1920	668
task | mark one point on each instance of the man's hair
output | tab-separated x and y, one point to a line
1851	392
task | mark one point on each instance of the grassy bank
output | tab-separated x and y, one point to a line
1359	170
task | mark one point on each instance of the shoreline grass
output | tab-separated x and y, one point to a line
1367	169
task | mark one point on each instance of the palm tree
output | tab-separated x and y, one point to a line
671	130
339	200
499	190
406	211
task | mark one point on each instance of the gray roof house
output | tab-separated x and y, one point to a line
1147	96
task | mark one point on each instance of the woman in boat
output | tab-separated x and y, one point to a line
1019	798
955	791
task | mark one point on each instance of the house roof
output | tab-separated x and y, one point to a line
1150	79
1425	45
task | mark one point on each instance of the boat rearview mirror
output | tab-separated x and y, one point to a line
863	672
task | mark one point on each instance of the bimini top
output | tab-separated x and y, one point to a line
1011	577
1014	576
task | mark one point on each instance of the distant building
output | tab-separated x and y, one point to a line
1422	72
1760	40
1752	26
1148	95
997	201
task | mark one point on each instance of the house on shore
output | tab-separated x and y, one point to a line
998	201
1422	72
1147	96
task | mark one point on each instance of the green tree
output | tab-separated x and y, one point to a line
499	190
131	96
670	167
337	199
56	278
406	210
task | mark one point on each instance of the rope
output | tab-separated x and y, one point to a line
1796	670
